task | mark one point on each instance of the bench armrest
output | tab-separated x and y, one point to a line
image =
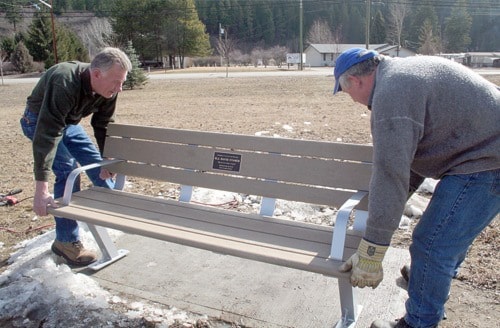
70	181
340	230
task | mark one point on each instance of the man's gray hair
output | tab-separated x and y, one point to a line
364	68
108	57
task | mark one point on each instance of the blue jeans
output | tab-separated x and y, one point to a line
461	207
75	148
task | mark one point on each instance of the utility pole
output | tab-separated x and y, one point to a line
301	43
223	48
227	52
368	20
221	31
54	37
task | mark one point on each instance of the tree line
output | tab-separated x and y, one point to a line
175	29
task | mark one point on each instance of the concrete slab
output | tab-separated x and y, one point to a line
246	292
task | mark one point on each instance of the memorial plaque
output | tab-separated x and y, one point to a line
227	162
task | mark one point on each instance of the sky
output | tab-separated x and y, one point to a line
37	289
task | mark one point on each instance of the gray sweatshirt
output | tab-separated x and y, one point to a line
430	117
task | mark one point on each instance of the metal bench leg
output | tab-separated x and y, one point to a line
267	206
186	193
109	252
348	304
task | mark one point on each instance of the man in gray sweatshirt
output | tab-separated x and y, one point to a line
430	117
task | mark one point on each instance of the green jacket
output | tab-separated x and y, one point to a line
64	96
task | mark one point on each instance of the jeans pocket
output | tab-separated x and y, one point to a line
28	124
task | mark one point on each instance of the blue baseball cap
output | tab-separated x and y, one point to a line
347	59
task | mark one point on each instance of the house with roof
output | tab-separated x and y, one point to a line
318	55
474	59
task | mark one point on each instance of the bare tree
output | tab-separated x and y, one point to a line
278	53
225	47
96	35
397	14
320	32
3	56
338	35
257	56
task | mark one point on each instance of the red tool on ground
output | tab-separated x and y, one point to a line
9	199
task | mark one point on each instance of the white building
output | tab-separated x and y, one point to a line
326	54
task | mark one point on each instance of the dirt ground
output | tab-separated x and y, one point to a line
289	106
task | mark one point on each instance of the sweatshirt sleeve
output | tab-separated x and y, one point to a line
395	139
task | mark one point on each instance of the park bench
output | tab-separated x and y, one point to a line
315	172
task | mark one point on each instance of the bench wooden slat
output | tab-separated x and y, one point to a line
210	219
293	192
361	153
253	164
288	243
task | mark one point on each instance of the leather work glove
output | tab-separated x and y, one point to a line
366	265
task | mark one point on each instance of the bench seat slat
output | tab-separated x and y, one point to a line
281	246
210	219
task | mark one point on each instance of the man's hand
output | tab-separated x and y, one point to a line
42	198
105	174
366	265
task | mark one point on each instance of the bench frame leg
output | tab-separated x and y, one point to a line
108	249
348	304
109	252
348	301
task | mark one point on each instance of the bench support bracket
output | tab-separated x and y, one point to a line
109	252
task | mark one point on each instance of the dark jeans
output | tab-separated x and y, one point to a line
76	148
461	207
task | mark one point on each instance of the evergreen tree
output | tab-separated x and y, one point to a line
12	11
430	44
425	12
69	47
136	77
378	33
39	38
21	59
39	41
194	40
7	46
457	29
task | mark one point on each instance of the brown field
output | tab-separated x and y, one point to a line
289	106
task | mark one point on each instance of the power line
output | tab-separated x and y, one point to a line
483	6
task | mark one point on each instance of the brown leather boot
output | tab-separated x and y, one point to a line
74	253
405	272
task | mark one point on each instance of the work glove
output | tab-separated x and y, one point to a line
366	265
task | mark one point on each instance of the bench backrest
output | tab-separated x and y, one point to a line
298	170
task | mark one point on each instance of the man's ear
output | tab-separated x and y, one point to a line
96	73
354	81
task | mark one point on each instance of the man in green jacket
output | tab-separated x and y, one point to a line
430	117
64	95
